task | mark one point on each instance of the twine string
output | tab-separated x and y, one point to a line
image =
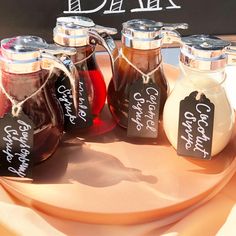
85	59
16	105
145	76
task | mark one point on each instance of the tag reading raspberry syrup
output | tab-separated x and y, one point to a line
16	145
84	118
195	131
144	105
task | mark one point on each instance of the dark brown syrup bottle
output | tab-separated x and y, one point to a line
27	69
146	61
140	62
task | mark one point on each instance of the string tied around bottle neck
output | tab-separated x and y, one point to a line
16	105
86	58
145	76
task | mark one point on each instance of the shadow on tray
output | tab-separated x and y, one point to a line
83	165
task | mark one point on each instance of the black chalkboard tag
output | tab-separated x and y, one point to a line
144	104
196	119
16	145
84	117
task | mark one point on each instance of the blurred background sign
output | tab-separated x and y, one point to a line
38	17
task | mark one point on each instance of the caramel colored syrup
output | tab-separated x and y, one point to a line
43	109
146	61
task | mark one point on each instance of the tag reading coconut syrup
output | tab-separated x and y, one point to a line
144	104
195	131
16	145
84	118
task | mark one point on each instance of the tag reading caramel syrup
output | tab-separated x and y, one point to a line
16	145
144	104
84	118
195	131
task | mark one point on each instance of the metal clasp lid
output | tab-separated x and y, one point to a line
77	31
231	52
147	34
204	52
29	54
24	54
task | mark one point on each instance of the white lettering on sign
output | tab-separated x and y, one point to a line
9	142
196	141
202	123
150	113
65	98
190	119
74	6
138	111
82	103
152	101
17	138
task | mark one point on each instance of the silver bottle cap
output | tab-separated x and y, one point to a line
204	52
75	31
147	34
24	54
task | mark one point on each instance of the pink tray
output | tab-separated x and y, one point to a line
107	179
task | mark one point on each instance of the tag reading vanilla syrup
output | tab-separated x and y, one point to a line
84	117
16	145
144	105
195	131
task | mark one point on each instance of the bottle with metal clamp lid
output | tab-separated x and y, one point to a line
203	118
83	34
28	72
140	65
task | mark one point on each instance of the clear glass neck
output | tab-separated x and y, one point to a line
208	78
145	60
82	54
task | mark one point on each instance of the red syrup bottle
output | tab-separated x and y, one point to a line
94	80
82	34
27	75
137	95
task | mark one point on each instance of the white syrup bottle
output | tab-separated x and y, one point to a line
202	61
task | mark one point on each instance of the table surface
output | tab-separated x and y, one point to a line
215	217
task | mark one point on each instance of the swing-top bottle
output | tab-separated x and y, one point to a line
83	34
28	67
140	65
203	118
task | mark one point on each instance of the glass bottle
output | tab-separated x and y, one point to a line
84	35
202	60
141	48
27	63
